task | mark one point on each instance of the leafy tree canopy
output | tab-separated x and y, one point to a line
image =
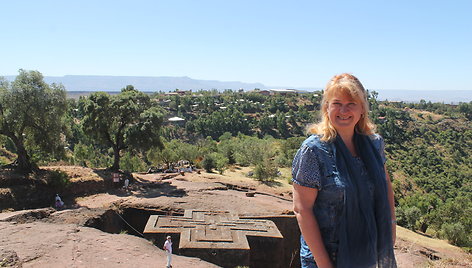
31	115
123	121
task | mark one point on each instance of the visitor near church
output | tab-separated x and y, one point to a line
58	202
126	184
342	194
168	249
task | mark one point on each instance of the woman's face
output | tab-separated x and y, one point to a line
344	112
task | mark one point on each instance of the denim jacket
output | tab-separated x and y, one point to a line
314	166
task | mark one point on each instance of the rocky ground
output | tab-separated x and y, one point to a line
49	238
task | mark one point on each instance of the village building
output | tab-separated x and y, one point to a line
179	93
271	92
176	120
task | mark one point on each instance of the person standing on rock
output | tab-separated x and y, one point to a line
168	249
342	194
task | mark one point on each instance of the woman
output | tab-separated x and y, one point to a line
342	195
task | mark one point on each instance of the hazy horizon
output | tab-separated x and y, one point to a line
77	84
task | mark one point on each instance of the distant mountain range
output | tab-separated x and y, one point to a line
142	83
442	96
86	83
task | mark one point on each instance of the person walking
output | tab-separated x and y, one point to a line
168	249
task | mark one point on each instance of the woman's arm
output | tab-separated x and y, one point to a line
391	201
303	202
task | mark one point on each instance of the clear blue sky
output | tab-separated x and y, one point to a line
419	45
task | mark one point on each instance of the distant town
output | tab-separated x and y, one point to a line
82	85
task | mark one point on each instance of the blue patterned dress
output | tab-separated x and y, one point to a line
316	168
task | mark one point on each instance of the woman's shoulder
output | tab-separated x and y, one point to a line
313	140
315	145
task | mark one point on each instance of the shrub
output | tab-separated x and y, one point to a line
208	163
283	161
454	233
265	171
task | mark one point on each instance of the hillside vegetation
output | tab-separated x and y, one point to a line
428	144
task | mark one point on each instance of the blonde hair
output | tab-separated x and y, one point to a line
348	84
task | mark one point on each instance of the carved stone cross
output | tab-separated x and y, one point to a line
200	229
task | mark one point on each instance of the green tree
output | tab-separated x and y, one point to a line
282	126
219	122
163	155
266	124
466	109
89	155
174	151
126	121
412	215
184	151
132	163
227	148
220	161
250	150
32	113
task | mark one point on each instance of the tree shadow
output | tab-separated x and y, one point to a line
30	190
420	233
157	190
272	184
138	187
36	190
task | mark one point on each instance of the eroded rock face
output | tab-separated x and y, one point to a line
24	216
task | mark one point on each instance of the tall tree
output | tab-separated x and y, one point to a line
126	121
32	113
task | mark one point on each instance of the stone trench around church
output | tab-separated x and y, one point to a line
224	242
